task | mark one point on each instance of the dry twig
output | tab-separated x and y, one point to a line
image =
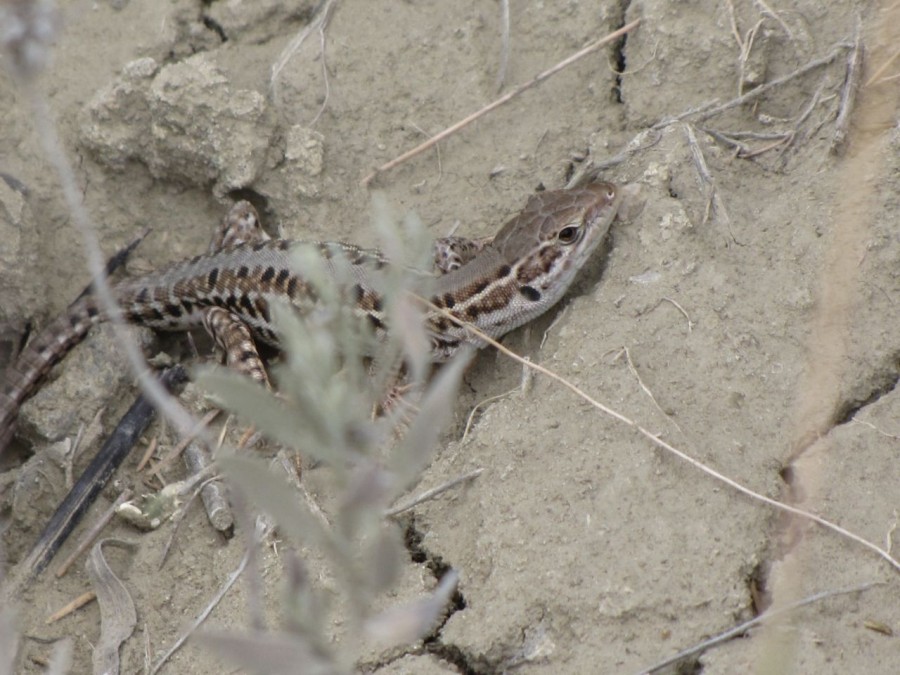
185	440
656	440
848	92
318	24
500	101
262	531
71	606
212	491
433	492
747	625
470	419
714	202
713	108
644	387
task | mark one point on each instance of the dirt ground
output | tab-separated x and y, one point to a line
748	316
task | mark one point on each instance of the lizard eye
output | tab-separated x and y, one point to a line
569	235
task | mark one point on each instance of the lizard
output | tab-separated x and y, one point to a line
496	284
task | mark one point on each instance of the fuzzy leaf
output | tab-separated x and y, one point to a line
272	416
416	448
408	623
269	653
274	495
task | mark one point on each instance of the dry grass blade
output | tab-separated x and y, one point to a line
711	109
317	24
767	10
118	617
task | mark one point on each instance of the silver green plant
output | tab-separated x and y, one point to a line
334	373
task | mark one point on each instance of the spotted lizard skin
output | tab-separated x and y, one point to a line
496	284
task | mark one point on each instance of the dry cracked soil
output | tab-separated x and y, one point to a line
748	316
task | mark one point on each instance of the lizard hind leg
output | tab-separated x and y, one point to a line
241	225
235	339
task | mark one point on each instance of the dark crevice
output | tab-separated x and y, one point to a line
787	474
618	51
455	657
436	565
689	667
433	643
215	27
883	383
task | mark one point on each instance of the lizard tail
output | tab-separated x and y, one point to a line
41	354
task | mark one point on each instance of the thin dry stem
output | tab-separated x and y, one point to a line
713	200
589	170
262	530
690	322
707	110
179	515
766	9
471	418
874	428
656	440
644	387
71	606
887	64
433	492
325	81
192	433
747	625
317	24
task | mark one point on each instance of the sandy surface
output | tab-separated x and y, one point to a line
747	316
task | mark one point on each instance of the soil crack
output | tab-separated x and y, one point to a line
882	383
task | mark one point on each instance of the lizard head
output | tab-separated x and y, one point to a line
553	237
